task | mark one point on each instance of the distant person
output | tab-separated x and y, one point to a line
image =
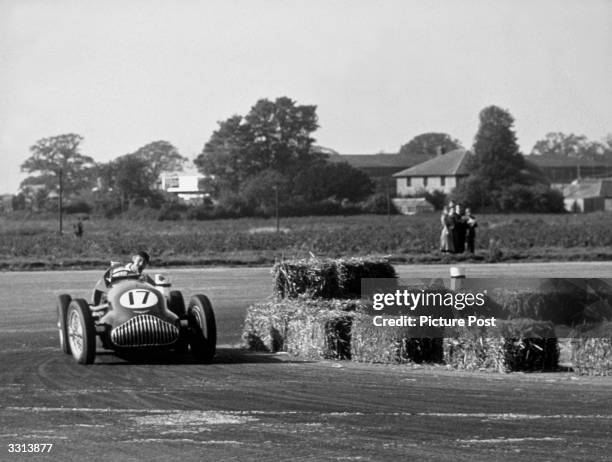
78	228
459	229
446	241
470	225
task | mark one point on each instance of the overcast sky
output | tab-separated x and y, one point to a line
125	73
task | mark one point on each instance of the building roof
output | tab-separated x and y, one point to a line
453	163
581	189
380	160
558	161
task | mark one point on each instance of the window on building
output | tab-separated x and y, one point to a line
442	181
408	182
424	181
172	181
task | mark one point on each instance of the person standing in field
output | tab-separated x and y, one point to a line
459	229
78	228
446	241
470	234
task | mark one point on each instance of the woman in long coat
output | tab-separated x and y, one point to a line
446	236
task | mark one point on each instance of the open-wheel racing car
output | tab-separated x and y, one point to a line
130	313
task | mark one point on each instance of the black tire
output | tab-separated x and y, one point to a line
62	309
176	304
203	328
81	331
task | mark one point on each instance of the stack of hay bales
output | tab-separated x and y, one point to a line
315	312
523	339
312	329
313	308
327	278
512	345
370	343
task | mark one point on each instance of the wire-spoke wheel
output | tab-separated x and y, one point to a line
81	332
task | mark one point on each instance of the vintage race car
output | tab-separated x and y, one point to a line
130	312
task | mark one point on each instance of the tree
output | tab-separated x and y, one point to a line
161	156
332	180
128	180
497	159
429	144
49	155
260	191
501	179
274	135
578	146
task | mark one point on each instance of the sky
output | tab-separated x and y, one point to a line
128	72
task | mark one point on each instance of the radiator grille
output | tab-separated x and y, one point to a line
144	331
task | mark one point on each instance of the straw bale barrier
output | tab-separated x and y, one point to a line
592	349
312	329
561	301
327	278
513	345
373	344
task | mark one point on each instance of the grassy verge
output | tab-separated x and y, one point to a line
35	243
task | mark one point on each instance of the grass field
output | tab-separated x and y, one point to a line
35	243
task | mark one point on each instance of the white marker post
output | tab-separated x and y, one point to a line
457	275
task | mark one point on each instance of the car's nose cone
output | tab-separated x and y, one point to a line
144	331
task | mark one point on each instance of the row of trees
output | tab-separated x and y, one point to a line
110	187
263	159
268	158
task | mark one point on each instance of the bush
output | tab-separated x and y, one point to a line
172	211
379	204
436	198
522	198
78	207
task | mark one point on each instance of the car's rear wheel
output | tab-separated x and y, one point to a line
62	310
203	328
81	332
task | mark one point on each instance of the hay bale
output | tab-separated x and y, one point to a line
265	327
321	334
310	329
370	343
561	301
513	345
592	349
327	278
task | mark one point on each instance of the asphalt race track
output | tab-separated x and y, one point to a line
248	406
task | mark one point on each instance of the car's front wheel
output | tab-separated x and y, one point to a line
81	332
203	328
63	301
176	304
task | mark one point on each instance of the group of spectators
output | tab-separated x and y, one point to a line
458	229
